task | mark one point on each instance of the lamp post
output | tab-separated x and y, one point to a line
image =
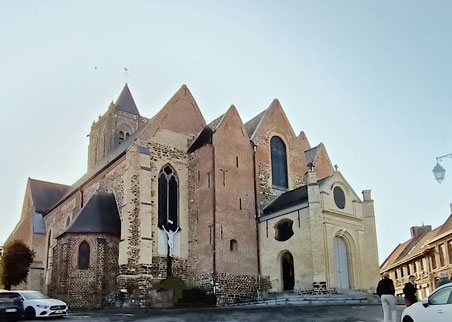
438	171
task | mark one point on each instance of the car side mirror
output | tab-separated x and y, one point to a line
425	302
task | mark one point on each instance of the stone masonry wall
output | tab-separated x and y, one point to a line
144	267
60	218
85	288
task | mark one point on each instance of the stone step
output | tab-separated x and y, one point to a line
284	298
302	301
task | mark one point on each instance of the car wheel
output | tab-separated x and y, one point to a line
30	313
407	319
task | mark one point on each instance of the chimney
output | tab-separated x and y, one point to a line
367	195
418	231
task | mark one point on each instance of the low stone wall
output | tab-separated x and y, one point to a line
318	288
136	283
229	288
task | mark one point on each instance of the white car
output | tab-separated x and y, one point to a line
437	307
37	304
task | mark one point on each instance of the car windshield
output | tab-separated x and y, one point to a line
34	296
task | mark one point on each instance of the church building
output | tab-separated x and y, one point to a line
235	209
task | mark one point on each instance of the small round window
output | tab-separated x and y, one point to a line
339	197
283	230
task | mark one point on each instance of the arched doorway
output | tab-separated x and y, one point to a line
341	264
288	275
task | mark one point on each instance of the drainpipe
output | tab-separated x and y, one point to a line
254	145
214	223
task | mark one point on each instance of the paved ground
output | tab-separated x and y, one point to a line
371	313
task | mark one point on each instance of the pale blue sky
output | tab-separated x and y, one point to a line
370	79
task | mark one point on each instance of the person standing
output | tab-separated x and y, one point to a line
386	291
410	291
442	280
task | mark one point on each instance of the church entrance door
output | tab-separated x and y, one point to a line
288	275
341	264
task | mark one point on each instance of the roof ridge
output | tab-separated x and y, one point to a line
44	181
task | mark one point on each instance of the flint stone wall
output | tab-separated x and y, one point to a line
85	288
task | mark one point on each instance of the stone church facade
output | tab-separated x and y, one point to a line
234	209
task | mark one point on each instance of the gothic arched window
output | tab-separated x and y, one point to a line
168	199
83	255
279	163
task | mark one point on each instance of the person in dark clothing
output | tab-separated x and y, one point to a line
386	291
410	291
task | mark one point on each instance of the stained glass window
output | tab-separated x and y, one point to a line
279	163
168	199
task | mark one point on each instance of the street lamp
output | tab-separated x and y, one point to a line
438	171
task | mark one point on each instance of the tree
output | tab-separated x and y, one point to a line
16	261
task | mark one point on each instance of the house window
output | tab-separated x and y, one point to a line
450	252
83	255
433	261
168	199
279	163
283	230
233	245
442	253
396	275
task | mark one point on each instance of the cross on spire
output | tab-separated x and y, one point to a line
126	73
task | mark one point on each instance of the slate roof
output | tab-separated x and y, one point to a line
45	194
311	154
286	200
99	215
205	136
125	102
253	124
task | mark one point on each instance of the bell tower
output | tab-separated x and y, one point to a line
113	128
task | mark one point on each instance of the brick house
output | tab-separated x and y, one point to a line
228	207
427	253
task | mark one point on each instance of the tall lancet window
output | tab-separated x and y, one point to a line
168	199
83	255
279	163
